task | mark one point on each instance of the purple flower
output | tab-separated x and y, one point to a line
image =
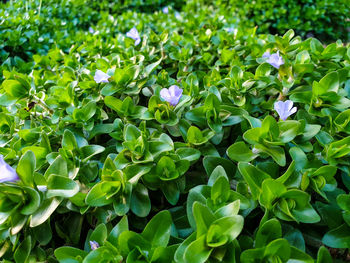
94	245
171	95
7	173
134	34
230	29
274	60
100	76
165	10
91	30
266	54
285	109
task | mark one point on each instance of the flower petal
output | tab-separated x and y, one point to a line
266	54
292	111
171	95
288	105
164	94
7	173
133	34
94	245
284	109
137	41
100	76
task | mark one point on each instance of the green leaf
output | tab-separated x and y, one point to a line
220	192
61	186
276	152
295	239
14	88
140	203
44	212
117	230
150	68
323	255
99	234
215	238
254	177
196	137
338	238
268	232
68	141
113	103
101	193
187	153
211	162
203	217
26	167
240	152
197	251
157	231
86	112
58	167
299	158
88	151
263	70
171	192
280	248
270	190
344	202
299	256
180	251
43	233
329	83
33	203
22	252
70	254
231	226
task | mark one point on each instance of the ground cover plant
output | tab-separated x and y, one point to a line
154	131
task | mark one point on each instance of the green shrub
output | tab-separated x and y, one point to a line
248	160
327	20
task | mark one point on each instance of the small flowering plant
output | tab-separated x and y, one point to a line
285	109
134	34
274	59
161	111
184	150
101	77
94	245
172	95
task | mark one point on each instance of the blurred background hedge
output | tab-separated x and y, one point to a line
327	20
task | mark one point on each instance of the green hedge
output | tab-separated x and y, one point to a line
112	172
325	19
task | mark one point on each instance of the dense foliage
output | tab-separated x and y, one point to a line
110	171
328	20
